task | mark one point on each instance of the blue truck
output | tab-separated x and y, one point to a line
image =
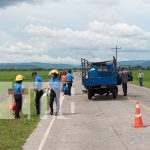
100	77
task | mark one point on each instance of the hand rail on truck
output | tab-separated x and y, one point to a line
84	68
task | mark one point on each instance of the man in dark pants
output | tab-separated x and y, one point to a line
55	86
124	77
52	98
18	94
38	88
69	78
38	100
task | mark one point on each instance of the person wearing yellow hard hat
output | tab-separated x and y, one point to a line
52	72
55	87
18	88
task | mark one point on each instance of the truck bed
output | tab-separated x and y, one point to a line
99	81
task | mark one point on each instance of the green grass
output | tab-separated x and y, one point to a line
146	80
10	75
13	133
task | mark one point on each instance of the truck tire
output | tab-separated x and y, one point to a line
90	94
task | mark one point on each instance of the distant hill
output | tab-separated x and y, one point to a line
36	65
39	65
134	63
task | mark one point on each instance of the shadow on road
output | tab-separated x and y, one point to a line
67	114
109	98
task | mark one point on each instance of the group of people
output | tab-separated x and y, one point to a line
56	83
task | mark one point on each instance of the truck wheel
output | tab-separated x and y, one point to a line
90	94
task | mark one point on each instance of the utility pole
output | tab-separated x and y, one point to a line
116	48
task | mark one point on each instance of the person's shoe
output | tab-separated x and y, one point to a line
51	113
38	113
56	114
17	117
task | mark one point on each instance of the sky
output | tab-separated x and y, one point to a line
64	31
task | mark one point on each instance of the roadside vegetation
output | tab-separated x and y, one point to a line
14	132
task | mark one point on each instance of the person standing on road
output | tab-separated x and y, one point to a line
38	89
69	78
141	76
124	78
63	78
55	86
18	88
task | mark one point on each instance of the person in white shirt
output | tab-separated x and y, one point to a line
141	76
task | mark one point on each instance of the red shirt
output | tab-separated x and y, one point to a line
63	78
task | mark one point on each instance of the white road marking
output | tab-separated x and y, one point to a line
72	107
46	134
49	127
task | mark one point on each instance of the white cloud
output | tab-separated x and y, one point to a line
104	2
19	58
37	20
65	32
68	46
97	36
6	3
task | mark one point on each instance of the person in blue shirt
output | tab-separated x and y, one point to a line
69	78
18	88
55	86
38	89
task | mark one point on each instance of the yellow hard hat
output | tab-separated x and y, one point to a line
19	77
53	71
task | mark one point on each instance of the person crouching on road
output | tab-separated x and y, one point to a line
124	77
18	88
55	86
38	89
69	78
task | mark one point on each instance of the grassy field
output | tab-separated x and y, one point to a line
13	133
10	75
146	77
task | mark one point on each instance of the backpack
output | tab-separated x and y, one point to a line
65	89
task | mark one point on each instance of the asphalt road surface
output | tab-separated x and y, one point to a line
98	124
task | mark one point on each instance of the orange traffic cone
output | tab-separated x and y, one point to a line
138	123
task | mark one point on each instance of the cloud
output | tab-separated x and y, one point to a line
146	1
97	35
65	45
19	58
6	3
102	2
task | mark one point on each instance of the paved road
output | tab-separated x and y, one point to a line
100	124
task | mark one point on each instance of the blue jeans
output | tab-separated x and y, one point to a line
141	81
